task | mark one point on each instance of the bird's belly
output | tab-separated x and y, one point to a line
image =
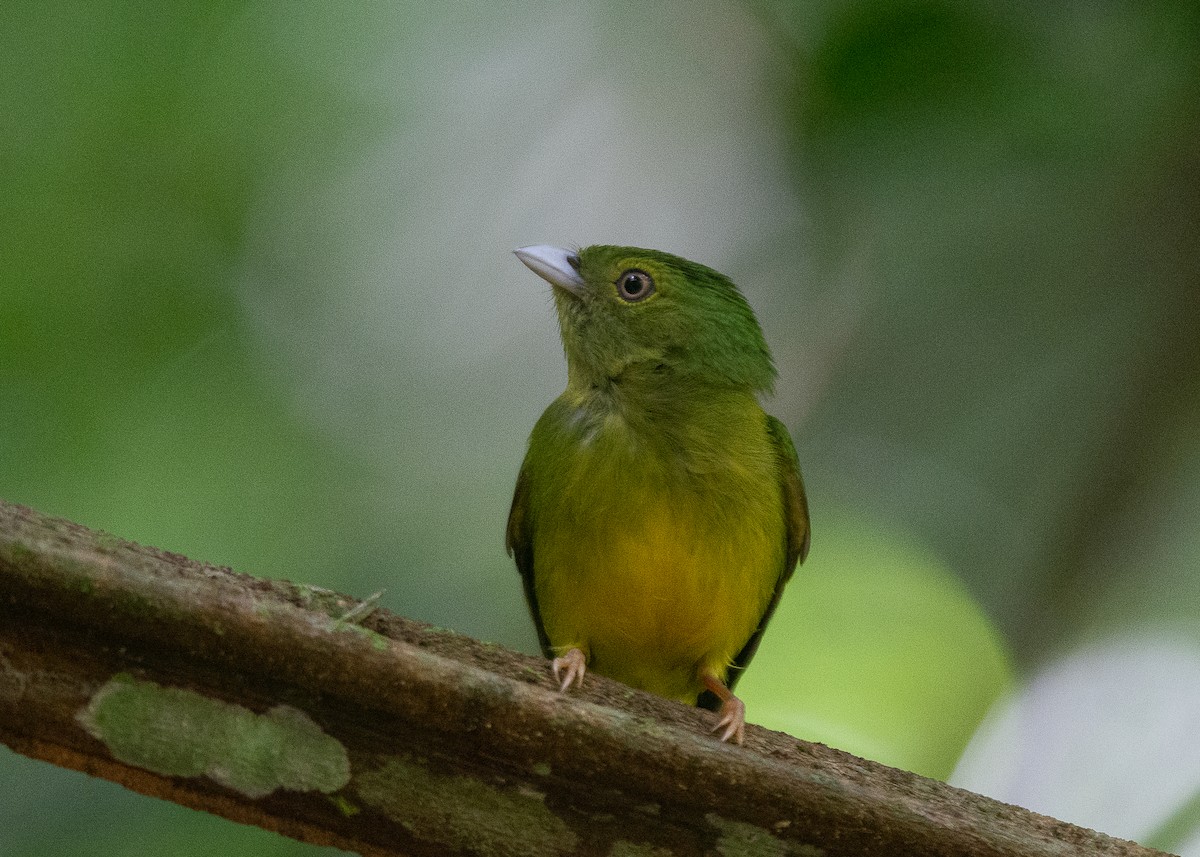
655	602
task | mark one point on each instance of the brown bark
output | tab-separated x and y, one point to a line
253	700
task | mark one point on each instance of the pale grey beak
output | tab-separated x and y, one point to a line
556	266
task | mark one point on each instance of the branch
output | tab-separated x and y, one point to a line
251	699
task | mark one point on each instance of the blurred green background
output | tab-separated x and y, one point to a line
257	306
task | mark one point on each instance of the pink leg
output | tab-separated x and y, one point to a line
733	711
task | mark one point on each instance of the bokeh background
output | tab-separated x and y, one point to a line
257	306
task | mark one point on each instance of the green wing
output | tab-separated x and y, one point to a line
795	511
795	504
518	541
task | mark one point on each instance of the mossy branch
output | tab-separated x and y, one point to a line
254	700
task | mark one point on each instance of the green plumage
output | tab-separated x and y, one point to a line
659	510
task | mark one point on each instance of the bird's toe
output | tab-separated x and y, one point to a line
569	669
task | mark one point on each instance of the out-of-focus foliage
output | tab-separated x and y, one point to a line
1127	712
1017	202
256	306
131	396
884	652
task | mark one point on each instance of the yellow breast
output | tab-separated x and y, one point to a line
659	573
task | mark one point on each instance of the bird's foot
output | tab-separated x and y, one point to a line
732	714
733	720
569	669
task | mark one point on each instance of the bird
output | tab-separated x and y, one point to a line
659	510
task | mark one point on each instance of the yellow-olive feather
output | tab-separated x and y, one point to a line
659	510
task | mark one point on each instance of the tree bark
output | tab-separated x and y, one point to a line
256	700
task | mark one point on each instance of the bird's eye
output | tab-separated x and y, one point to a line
634	286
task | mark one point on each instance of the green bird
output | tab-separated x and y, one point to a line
659	510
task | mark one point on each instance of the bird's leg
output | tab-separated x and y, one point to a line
569	668
733	711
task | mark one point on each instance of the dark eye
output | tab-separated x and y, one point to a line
634	286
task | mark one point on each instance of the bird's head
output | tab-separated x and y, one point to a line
628	312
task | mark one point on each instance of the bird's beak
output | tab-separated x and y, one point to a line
558	267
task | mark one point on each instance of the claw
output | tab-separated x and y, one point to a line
733	720
569	669
732	715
